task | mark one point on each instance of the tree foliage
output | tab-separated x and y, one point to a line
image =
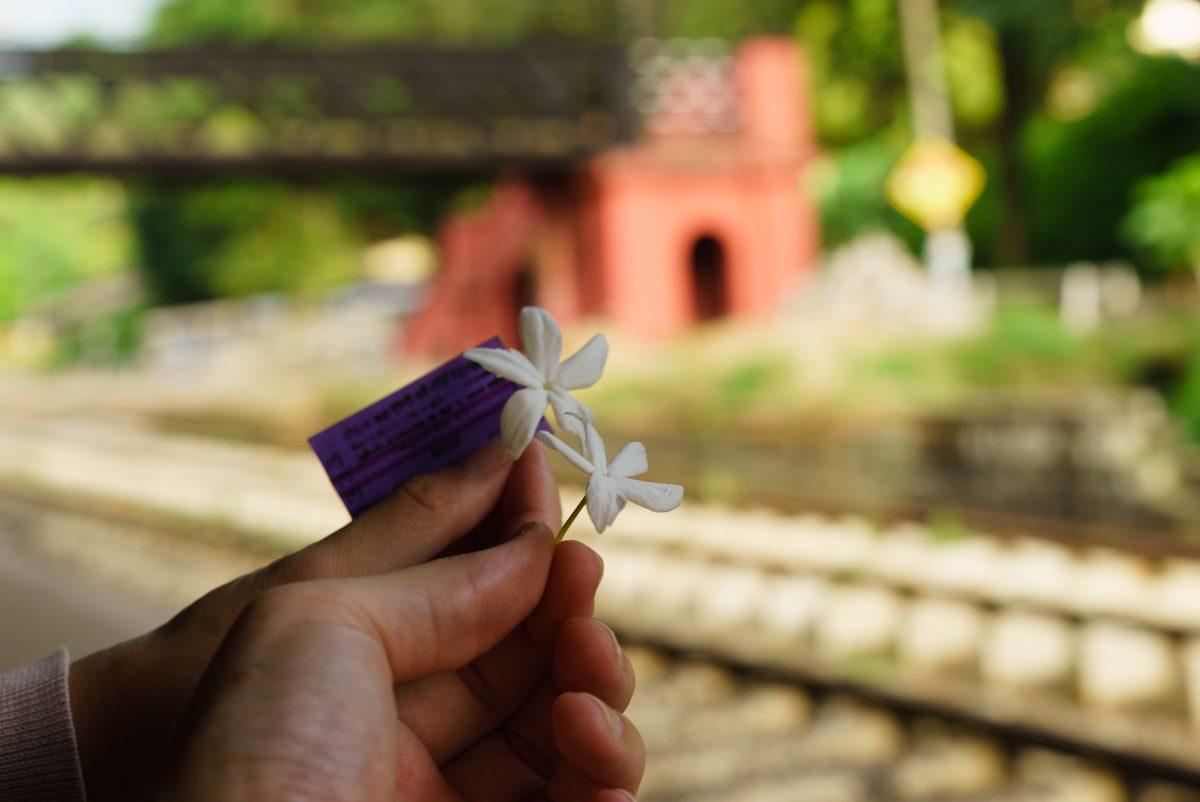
202	242
1012	69
475	22
240	238
463	22
56	234
1048	94
1165	220
1084	172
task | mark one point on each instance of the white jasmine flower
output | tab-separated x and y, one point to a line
545	380
609	483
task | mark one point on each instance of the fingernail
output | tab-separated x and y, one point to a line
527	527
621	792
487	459
611	718
616	644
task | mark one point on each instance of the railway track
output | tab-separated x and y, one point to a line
716	728
780	657
720	732
1099	649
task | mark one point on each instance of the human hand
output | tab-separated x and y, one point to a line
506	690
127	701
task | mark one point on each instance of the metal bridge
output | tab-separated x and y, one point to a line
414	110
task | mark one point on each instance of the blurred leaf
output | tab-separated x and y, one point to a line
337	21
973	71
1023	345
1185	401
1083	174
240	238
55	234
1165	220
850	187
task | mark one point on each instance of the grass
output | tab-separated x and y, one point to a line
739	380
698	387
697	397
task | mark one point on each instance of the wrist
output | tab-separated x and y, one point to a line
124	704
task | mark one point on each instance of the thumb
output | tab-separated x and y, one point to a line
303	675
443	614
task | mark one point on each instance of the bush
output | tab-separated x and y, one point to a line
1082	174
1164	223
55	234
1185	401
850	187
241	238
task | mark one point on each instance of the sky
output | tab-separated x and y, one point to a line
41	23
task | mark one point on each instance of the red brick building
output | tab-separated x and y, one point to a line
704	216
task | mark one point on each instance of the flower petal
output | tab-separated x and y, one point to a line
542	340
520	418
573	456
585	366
629	461
593	446
651	495
570	421
569	412
507	363
603	501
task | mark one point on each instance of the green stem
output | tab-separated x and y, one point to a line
578	509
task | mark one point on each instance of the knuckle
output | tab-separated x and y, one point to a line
288	605
305	565
271	606
460	617
208	618
425	493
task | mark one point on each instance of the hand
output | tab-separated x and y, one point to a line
506	689
127	701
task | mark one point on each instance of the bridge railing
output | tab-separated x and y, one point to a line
412	109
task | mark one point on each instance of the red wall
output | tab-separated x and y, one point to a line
648	218
651	203
616	239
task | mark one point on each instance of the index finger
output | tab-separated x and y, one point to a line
530	494
413	525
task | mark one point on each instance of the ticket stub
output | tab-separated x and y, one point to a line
421	428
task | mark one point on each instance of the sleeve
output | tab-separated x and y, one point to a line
39	761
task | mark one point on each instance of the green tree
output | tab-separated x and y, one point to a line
1082	173
256	236
1001	57
731	20
1165	220
1034	39
476	22
857	66
1006	63
204	242
239	238
55	234
850	187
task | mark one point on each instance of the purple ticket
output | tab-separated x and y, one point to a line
424	427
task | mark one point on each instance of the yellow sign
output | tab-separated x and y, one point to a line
934	183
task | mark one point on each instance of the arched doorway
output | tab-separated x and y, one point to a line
710	291
523	291
525	287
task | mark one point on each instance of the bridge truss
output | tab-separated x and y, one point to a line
416	111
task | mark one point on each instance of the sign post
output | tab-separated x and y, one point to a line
934	184
935	181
